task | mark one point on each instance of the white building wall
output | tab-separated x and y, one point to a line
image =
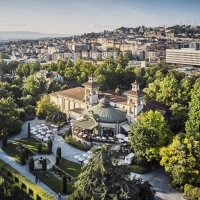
187	56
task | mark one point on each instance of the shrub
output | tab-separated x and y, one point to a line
58	152
31	164
64	184
44	165
192	192
57	160
39	148
49	146
29	130
22	158
73	142
139	169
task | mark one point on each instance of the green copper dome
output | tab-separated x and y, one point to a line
104	112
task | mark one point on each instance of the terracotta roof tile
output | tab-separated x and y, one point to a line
90	84
75	93
113	97
137	93
155	106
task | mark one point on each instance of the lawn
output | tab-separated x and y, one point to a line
30	143
72	168
53	182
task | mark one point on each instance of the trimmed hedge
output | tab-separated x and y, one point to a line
192	192
73	142
22	181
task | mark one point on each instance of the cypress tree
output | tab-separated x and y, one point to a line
29	130
22	158
49	146
26	153
58	152
39	148
57	160
4	139
64	184
31	164
44	165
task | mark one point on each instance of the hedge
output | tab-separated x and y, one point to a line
29	187
77	144
192	192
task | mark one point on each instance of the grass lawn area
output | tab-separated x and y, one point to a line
30	143
72	168
53	182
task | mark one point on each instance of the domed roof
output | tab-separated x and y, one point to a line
104	112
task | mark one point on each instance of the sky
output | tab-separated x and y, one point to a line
84	16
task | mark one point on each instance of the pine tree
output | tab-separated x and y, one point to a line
102	178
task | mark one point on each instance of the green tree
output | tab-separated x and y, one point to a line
35	86
179	117
103	179
29	130
39	148
64	184
58	152
29	111
31	164
57	160
148	134
26	153
9	116
181	159
45	107
193	122
118	91
49	145
57	117
44	165
22	158
4	140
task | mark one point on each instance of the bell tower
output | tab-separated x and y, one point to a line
135	100
91	91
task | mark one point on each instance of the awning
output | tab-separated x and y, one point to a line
126	127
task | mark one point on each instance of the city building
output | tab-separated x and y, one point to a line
102	115
184	56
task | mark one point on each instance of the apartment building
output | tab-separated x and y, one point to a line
187	56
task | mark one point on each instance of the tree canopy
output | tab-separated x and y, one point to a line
193	122
103	179
181	158
45	107
148	134
9	116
